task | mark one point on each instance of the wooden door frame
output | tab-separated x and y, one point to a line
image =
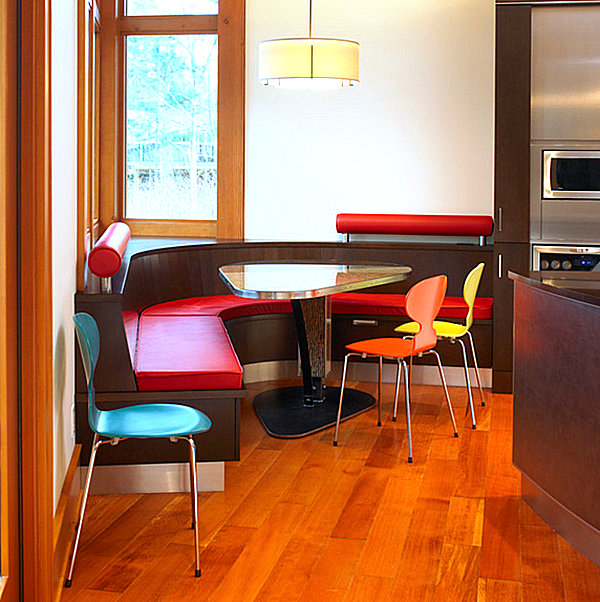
36	338
9	433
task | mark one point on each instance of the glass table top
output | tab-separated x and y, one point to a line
305	280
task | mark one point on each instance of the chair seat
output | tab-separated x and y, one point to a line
442	329
386	347
151	420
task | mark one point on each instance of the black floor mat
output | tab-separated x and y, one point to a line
283	414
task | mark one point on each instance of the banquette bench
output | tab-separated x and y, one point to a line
170	330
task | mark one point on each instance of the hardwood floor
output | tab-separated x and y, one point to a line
303	520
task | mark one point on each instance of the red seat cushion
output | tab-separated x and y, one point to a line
183	344
455	307
373	304
224	306
178	353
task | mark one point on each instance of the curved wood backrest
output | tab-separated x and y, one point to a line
163	274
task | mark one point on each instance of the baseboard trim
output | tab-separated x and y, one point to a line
171	477
579	533
367	372
65	519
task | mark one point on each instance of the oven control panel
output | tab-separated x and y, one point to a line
564	259
576	263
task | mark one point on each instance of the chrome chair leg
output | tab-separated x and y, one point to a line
194	490
396	395
468	380
410	371
339	415
379	392
407	395
476	367
193	494
96	443
443	379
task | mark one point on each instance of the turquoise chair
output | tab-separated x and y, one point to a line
146	421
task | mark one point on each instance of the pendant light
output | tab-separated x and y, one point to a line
308	63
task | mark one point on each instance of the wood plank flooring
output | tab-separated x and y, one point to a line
301	520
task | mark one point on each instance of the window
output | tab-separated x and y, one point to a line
171	7
171	127
170	143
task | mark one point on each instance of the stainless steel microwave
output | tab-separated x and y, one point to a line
571	174
565	191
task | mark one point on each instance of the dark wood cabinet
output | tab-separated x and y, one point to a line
512	126
512	257
511	176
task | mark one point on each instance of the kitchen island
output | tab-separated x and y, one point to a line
556	426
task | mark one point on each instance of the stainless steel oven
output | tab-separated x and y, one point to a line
568	266
565	191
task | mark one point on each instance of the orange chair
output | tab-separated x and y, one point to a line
423	301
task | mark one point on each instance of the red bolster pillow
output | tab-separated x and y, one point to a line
396	223
105	258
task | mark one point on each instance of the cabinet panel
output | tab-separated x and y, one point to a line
512	257
512	136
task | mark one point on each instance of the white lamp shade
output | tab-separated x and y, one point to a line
308	62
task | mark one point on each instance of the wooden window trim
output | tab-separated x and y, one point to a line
229	25
167	25
87	133
9	435
172	227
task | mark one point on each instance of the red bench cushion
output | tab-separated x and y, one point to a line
185	353
183	344
394	305
225	306
229	306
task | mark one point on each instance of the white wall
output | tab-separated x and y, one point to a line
414	137
64	226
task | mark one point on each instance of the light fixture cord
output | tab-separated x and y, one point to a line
310	18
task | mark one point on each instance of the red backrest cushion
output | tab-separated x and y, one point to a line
104	260
397	223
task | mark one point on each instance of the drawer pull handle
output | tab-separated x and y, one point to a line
365	323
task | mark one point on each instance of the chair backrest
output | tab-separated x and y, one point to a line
88	338
470	290
423	302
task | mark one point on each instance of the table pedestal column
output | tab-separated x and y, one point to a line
299	411
310	316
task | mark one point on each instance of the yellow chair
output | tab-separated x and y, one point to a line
455	332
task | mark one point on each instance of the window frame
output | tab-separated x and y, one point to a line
229	25
88	129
